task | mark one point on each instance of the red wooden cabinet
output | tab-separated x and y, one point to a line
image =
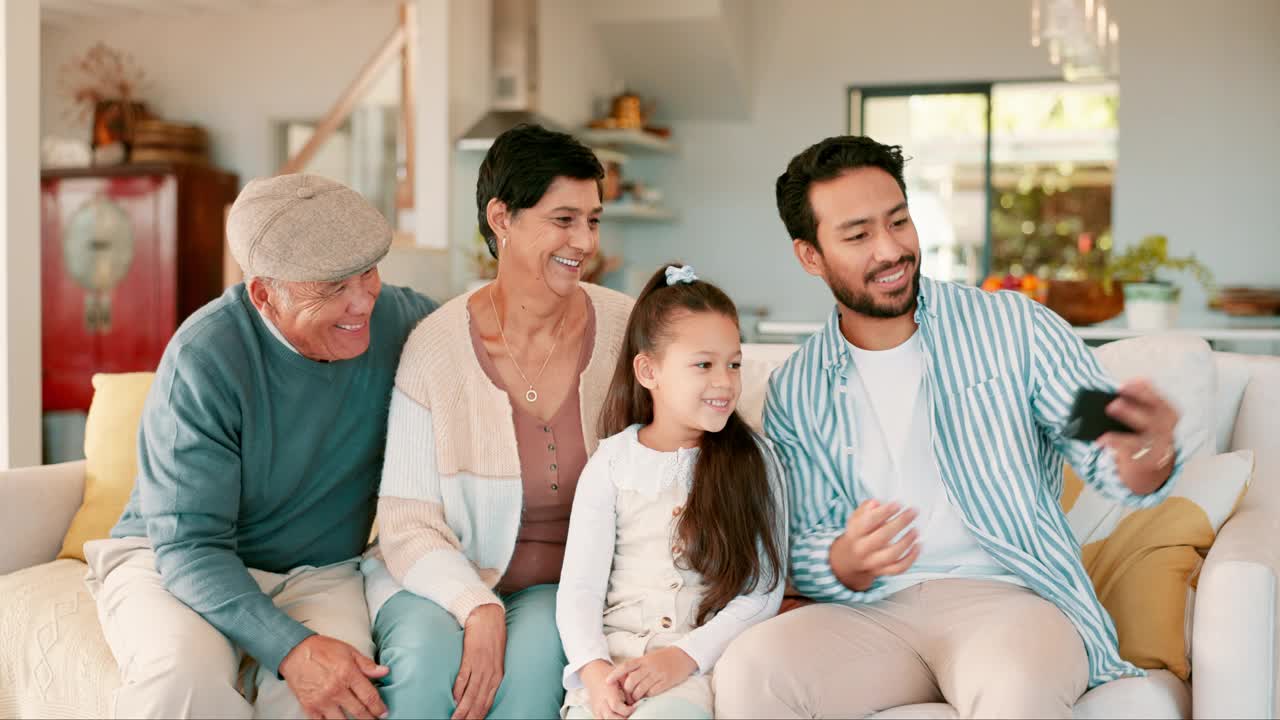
127	253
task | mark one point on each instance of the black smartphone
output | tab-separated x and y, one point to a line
1089	420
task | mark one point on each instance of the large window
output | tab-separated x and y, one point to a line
1003	177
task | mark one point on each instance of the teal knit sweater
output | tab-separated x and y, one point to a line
252	456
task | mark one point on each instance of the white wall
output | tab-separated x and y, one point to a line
691	59
573	70
233	73
1199	146
19	235
1185	67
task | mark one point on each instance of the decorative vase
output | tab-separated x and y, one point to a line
1151	305
112	132
1084	302
628	111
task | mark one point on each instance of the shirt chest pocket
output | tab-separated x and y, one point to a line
992	405
990	431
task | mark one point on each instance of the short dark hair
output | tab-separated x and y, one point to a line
520	166
825	161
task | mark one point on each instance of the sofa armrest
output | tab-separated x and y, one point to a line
36	507
1234	631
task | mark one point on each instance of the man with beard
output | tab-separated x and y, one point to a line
923	434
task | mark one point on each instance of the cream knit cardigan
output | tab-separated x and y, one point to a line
450	502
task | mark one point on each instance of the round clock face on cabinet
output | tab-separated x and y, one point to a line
97	245
97	250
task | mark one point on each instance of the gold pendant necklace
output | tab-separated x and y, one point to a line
531	395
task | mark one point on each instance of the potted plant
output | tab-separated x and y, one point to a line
1151	303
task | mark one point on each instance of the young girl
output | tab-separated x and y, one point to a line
677	534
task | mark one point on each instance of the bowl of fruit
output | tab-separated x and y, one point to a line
1029	285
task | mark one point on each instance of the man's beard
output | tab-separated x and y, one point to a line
863	303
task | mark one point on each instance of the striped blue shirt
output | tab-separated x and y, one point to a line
1003	372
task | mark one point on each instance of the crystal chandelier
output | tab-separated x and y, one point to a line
1081	38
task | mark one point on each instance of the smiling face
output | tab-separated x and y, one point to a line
868	250
323	321
551	241
695	377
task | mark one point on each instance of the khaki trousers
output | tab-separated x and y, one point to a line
989	648
173	664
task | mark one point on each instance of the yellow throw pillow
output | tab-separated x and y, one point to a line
111	457
1144	563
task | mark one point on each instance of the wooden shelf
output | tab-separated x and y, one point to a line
605	154
633	212
608	155
636	141
473	145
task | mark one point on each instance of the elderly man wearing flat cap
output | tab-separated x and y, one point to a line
231	585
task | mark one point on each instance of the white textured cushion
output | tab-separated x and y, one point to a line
1158	695
1215	483
1181	367
54	661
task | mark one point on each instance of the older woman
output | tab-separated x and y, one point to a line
492	418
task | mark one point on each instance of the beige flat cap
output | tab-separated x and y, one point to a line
305	228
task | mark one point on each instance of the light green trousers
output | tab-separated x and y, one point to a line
422	645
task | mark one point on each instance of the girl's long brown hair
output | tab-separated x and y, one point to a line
729	526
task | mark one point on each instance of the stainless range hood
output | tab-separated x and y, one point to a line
515	75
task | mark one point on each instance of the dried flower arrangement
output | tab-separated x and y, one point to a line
106	83
102	74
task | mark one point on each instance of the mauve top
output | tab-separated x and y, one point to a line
552	455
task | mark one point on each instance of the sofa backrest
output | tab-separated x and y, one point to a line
758	363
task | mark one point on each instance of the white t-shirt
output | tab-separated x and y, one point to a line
892	380
895	462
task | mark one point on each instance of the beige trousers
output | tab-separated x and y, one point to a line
990	649
173	664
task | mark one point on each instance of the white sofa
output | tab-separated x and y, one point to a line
55	663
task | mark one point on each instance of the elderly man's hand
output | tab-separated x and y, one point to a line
329	677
